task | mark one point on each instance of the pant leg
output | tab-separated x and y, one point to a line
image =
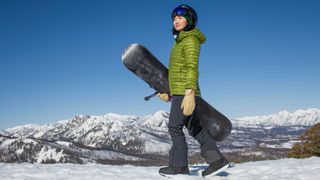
178	154
193	122
209	149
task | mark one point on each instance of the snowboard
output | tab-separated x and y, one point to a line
146	66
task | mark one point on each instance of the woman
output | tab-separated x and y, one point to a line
184	93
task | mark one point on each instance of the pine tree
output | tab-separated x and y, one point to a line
309	145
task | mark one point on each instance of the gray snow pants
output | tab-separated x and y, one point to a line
178	154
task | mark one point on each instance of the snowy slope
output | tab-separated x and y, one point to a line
285	169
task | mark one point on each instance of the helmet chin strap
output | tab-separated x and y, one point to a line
175	33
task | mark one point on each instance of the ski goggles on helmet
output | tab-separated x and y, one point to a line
179	12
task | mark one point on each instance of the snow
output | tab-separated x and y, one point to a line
289	144
285	169
19	151
49	153
256	153
6	143
64	143
153	146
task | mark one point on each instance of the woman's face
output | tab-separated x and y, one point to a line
179	23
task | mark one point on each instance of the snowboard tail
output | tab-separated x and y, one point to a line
146	66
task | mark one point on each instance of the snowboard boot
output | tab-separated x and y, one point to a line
215	168
171	170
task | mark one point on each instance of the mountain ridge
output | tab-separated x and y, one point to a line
300	117
114	138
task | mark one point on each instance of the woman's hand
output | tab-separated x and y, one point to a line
163	96
188	103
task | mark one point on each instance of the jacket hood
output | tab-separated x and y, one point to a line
195	32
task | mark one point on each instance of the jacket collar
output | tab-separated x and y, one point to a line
195	32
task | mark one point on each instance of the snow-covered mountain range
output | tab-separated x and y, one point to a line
114	138
86	138
299	117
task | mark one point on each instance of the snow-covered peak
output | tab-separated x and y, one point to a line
300	117
160	113
118	116
158	119
24	127
4	132
31	129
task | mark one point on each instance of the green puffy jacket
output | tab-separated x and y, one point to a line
183	65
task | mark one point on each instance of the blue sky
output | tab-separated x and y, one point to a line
60	58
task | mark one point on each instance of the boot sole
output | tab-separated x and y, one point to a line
171	175
217	171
